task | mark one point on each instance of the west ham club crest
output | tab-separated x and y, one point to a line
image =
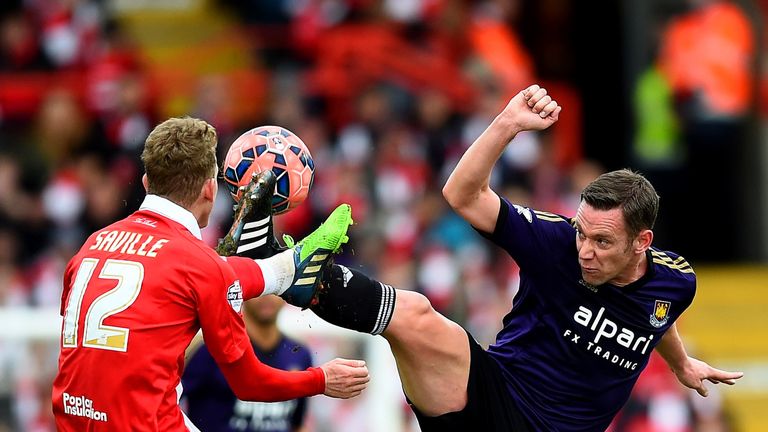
660	314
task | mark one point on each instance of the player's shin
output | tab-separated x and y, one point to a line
352	300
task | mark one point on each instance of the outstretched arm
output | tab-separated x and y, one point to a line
690	371
252	380
467	189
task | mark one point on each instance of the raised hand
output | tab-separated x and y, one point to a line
693	374
344	378
531	109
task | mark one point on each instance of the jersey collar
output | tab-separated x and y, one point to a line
173	211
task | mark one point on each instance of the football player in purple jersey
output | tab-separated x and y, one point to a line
595	299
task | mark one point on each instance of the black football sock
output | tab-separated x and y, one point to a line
353	300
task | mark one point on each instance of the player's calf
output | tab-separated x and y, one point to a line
352	300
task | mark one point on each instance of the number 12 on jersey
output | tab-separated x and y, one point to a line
129	276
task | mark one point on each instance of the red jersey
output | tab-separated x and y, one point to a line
134	296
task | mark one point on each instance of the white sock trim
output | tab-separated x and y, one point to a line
279	271
386	309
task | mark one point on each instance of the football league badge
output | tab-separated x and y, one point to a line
660	314
235	296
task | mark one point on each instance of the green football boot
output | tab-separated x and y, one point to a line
314	254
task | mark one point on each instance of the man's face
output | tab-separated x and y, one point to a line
264	310
603	244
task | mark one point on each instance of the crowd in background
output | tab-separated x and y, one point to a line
387	95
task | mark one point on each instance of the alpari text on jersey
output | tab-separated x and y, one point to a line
600	327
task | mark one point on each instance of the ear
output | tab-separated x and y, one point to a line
209	189
643	241
145	182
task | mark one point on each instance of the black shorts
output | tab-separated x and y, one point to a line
489	408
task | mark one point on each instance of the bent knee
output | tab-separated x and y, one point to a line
414	305
415	315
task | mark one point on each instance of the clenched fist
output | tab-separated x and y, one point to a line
531	109
344	378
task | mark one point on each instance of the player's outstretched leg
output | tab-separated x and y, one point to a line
432	352
252	233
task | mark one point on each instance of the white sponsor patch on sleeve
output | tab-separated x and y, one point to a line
235	296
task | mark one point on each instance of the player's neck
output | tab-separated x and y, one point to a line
636	270
265	336
201	212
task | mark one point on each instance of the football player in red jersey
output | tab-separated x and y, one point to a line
139	290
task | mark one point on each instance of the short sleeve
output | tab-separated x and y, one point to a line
531	237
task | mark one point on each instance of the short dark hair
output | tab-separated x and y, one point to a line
626	189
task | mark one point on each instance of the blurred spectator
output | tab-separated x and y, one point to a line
21	177
212	406
12	292
499	47
706	56
716	36
19	44
70	30
61	128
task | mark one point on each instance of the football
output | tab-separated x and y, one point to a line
271	148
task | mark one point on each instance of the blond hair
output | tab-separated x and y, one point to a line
179	156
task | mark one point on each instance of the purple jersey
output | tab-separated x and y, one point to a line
212	406
570	352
